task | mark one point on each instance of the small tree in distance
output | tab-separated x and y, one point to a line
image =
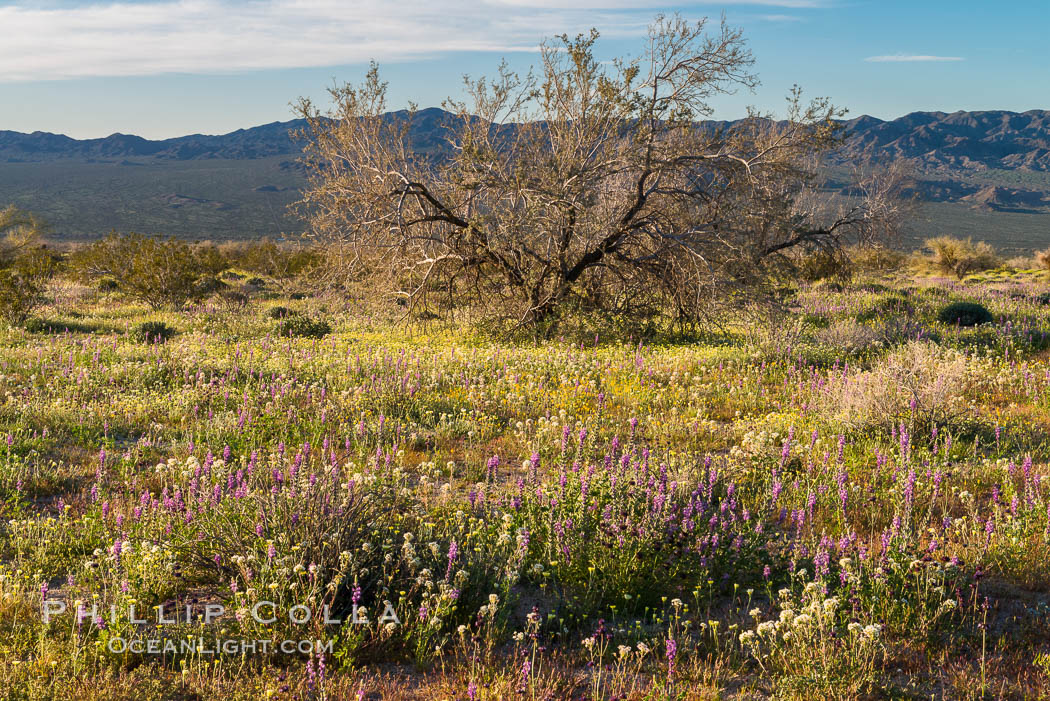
26	266
588	185
161	273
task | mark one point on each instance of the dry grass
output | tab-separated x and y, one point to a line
921	383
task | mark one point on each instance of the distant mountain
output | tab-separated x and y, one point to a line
997	198
934	140
984	174
258	142
274	139
960	140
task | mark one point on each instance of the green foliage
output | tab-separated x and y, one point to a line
26	266
825	265
107	284
824	285
961	257
39	326
265	257
280	312
152	332
297	325
817	321
965	314
232	297
23	283
161	273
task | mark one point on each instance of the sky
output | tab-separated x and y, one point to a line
165	68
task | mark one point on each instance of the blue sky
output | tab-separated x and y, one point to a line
171	67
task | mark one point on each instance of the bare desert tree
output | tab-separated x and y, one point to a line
587	184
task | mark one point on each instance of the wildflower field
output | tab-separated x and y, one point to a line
851	501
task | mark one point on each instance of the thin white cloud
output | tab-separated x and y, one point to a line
208	36
650	4
909	58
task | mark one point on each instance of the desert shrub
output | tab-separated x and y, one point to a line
161	273
1043	298
770	326
920	383
232	297
210	285
23	281
961	257
281	312
108	284
1043	258
876	258
849	336
824	265
26	266
817	321
297	325
965	314
152	332
38	326
1023	263
607	240
274	260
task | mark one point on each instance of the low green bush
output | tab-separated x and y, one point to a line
26	266
965	314
162	273
302	326
281	312
152	332
817	321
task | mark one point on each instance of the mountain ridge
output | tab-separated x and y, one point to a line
961	140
